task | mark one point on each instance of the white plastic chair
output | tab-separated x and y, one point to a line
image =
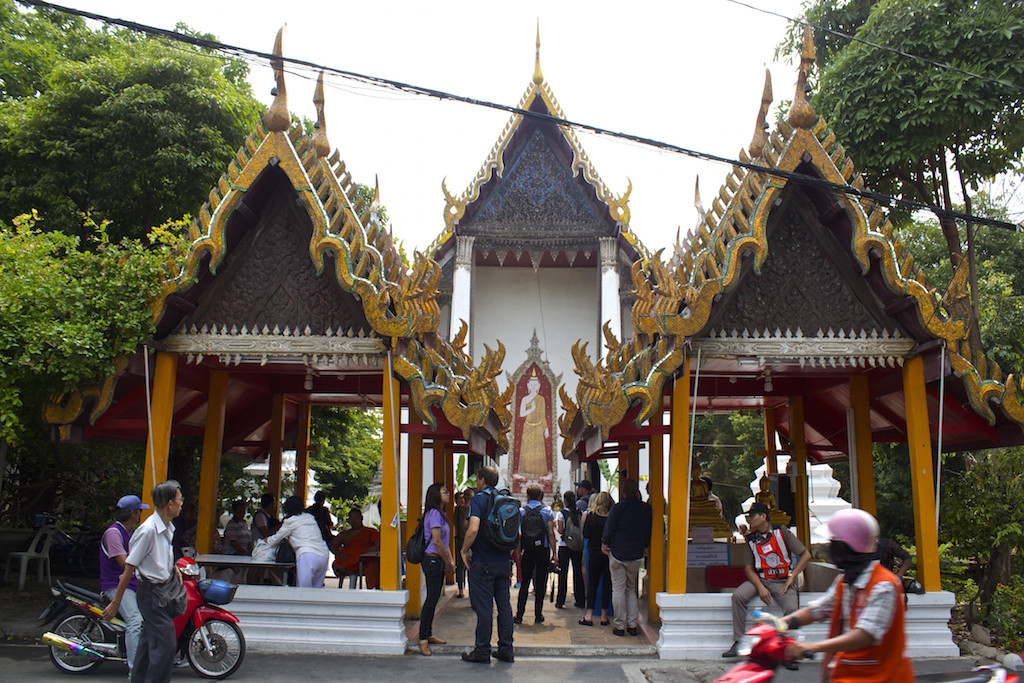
39	550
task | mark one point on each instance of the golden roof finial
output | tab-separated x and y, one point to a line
276	119
802	114
760	138
320	143
538	77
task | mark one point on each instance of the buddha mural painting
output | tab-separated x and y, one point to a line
535	430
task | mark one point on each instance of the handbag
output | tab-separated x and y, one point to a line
171	595
416	546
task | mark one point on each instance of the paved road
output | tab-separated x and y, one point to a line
23	663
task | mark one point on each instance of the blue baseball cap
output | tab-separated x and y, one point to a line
131	503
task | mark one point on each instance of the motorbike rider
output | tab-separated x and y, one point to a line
113	553
867	640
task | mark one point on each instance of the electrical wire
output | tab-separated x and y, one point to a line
789	176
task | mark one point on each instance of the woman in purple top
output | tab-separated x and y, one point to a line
436	560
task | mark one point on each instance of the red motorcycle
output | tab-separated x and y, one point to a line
208	635
768	651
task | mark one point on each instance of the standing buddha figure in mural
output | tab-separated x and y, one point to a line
533	449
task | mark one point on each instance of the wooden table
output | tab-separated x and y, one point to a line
244	562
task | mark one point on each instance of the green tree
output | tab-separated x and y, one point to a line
731	461
348	450
136	134
916	130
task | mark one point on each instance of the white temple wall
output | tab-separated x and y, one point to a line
562	304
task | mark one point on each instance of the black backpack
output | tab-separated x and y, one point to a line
532	528
500	526
416	546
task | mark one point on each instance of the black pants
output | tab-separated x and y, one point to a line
597	570
488	589
535	563
579	589
460	567
433	573
154	659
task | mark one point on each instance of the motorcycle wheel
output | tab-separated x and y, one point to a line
81	629
227	648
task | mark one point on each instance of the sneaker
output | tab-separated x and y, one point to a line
732	651
505	656
476	656
632	630
517	620
792	666
539	619
618	632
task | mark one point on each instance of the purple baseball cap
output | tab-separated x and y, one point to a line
131	503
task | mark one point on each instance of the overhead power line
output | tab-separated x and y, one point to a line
807	181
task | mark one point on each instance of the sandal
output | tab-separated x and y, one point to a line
604	622
586	622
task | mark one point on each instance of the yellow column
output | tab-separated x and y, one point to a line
302	451
799	456
863	458
414	510
770	461
679	483
209	479
158	445
390	543
923	490
276	448
656	465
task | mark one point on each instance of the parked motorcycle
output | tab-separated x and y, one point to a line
768	650
208	635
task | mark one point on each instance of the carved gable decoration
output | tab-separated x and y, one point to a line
538	190
799	287
274	282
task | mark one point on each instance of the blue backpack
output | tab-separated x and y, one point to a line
500	527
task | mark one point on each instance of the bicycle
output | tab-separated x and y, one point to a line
74	554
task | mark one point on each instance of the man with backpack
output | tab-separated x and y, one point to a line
537	546
491	535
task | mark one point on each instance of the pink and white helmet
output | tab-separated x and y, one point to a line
856	528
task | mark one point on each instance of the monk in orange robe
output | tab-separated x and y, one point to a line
348	545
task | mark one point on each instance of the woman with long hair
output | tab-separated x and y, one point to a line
436	560
302	532
593	529
570	549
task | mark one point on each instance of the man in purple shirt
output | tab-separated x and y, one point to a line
113	552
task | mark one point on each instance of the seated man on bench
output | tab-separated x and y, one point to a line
348	545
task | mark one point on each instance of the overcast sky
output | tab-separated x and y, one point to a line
688	72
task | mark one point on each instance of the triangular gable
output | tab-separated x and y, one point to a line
680	299
610	209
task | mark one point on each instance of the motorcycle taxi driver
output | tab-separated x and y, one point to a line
867	640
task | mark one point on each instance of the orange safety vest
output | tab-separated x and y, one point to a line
882	662
771	558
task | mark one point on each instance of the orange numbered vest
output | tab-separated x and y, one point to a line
882	662
771	558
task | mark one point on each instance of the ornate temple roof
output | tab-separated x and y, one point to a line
538	98
726	292
250	294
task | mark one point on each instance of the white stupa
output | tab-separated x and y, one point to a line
822	493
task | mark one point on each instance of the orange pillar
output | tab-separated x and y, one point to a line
390	543
302	452
209	479
656	466
770	460
158	445
413	512
679	483
863	456
799	457
921	476
276	448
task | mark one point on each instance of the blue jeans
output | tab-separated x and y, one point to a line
129	611
489	586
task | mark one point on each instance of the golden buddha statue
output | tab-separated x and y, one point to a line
775	516
704	510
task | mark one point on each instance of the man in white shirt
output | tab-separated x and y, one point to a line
151	554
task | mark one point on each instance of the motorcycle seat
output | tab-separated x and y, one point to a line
979	676
80	592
